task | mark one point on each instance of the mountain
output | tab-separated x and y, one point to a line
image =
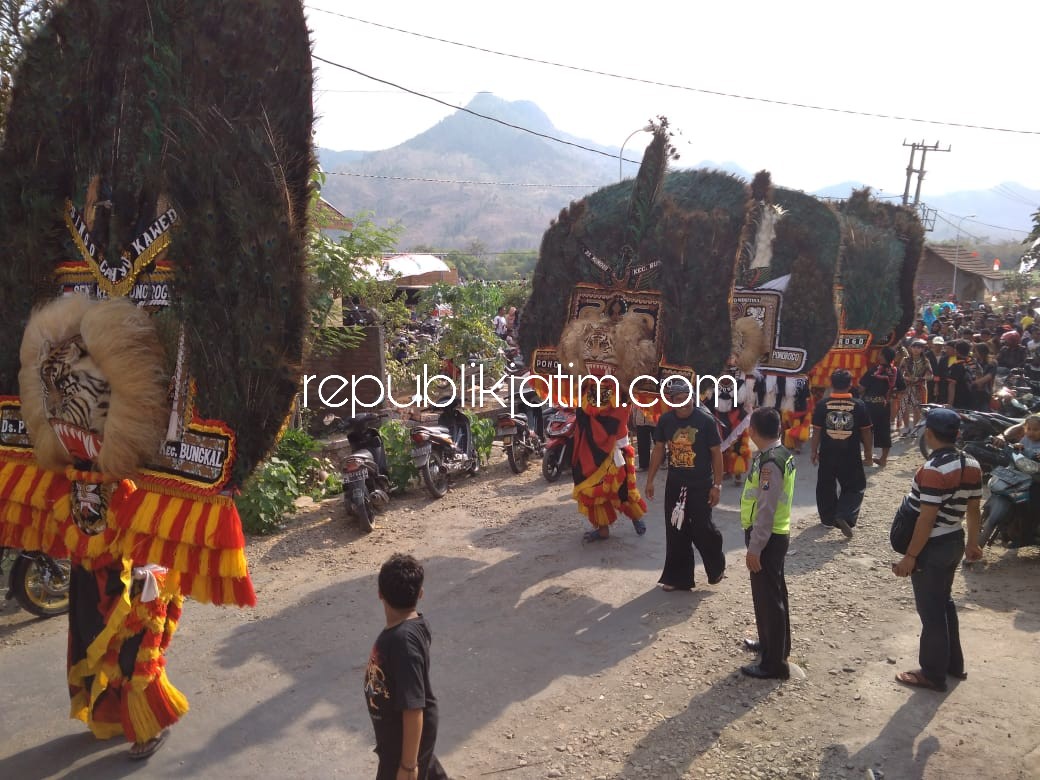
430	183
467	148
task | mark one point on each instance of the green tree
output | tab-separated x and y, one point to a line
19	20
341	272
1034	234
515	264
468	332
469	266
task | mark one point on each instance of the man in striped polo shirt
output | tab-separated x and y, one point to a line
945	489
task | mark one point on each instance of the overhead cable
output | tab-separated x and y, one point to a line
474	113
667	85
463	181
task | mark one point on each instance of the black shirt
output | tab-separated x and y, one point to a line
879	383
689	441
841	418
962	374
398	678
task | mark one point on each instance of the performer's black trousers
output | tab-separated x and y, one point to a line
840	474
697	530
769	593
644	443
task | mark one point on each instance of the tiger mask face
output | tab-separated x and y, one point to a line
92	385
597	345
76	397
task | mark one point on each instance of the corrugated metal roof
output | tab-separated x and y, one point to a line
966	260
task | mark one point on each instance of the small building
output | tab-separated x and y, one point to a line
959	269
332	222
415	271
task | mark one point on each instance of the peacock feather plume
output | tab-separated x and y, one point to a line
128	110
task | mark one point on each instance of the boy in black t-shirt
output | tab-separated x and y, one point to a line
397	680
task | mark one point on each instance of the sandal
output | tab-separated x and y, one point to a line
916	679
142	750
594	536
640	527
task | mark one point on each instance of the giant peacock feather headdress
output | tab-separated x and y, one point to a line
161	152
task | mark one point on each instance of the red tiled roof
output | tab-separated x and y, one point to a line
966	259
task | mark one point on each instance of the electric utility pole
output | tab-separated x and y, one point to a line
910	169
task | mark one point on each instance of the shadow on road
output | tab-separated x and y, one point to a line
56	756
996	584
689	734
494	629
893	750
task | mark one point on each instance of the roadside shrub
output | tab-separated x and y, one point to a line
483	431
268	495
317	477
297	449
398	445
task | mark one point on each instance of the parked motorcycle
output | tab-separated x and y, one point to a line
1009	499
1014	402
366	485
521	433
975	427
559	443
444	450
39	583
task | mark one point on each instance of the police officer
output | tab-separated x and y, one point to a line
765	516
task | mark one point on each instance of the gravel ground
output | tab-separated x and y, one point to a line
558	659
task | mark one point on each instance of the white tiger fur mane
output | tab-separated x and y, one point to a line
122	341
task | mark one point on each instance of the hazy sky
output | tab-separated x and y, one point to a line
951	62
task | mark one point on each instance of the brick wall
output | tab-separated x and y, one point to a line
369	357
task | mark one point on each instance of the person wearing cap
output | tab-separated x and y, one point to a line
945	490
841	424
693	487
940	365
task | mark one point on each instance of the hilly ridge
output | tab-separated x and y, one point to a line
419	182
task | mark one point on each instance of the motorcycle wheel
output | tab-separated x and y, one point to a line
34	589
361	511
517	455
550	466
989	525
434	476
992	520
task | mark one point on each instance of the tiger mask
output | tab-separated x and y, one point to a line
595	344
92	385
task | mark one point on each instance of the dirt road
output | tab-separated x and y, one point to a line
557	659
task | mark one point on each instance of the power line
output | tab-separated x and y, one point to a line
1006	192
699	90
976	222
961	230
474	113
462	181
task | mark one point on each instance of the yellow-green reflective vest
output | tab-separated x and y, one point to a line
784	460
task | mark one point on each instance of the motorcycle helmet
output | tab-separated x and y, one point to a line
1010	339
